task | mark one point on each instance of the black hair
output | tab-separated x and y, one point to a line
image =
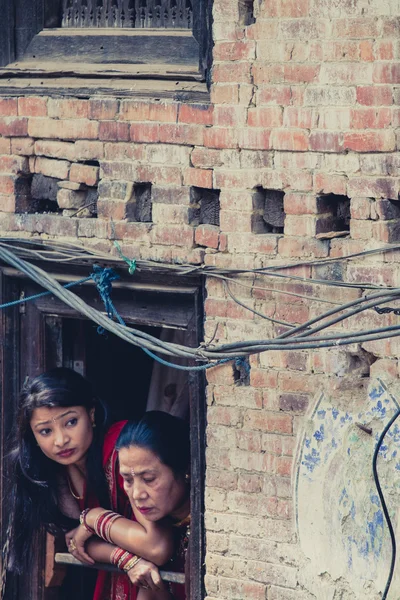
37	477
164	435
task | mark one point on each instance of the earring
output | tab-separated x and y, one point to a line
187	477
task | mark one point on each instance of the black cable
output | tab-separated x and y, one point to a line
382	499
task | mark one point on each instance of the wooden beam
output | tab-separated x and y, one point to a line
64	558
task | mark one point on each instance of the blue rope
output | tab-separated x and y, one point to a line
35	296
106	277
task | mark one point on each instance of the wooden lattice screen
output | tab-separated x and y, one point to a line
169	14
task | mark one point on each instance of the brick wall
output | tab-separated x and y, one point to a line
303	103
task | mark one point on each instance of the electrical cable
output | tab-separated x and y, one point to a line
383	502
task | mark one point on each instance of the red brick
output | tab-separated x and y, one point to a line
387	232
160	175
84	174
262	378
5	146
361	230
145	132
384	50
198	177
374	187
22	146
146	111
293	402
303	118
121	151
294	140
7	184
326	141
68	108
255	138
370	141
370	118
7	205
293	8
139	232
360	208
375	95
55	149
188	135
103	109
268	422
386	73
284	466
199	114
366	51
330	183
8	107
268	73
356	28
78	129
220	137
231	73
243	50
13	126
300	73
112	131
341	50
112	209
297	247
230	116
31	106
207	235
14	164
268	116
225	94
173	235
206	158
52	168
274	95
86	150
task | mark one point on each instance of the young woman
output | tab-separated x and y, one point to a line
154	461
64	462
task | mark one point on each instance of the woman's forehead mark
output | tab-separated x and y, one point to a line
54	419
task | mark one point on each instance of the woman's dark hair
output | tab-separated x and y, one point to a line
36	477
165	435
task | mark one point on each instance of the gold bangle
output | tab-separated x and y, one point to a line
131	563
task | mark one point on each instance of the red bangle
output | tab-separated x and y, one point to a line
82	520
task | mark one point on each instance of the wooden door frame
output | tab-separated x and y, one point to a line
22	349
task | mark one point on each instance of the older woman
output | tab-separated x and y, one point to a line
154	460
65	461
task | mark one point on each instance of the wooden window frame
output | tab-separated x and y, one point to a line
24	348
24	26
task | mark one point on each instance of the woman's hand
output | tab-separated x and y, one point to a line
146	575
75	540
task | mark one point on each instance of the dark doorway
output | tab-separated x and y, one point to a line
45	333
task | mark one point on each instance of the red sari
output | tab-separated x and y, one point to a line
113	586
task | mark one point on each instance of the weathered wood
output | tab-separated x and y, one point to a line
63	558
7	33
126	13
106	47
197	397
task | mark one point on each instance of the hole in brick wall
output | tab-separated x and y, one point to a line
204	206
141	207
36	194
39	193
241	371
246	12
360	362
335	213
268	211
